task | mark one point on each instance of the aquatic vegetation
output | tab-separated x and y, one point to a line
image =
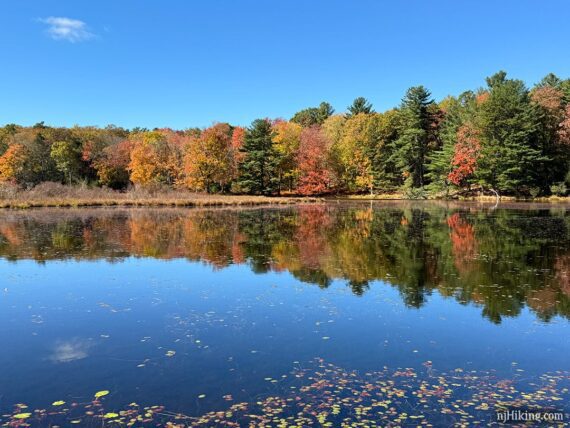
101	394
323	394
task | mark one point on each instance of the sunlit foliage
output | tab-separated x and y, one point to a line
504	138
208	161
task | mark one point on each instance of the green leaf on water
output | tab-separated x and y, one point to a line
101	394
58	403
22	415
111	415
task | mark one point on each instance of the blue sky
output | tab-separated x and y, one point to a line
189	63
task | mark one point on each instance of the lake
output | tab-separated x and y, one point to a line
383	313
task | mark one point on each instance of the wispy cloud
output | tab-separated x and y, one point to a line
71	30
70	350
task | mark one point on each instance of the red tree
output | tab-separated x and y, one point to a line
238	136
315	176
564	127
112	165
466	153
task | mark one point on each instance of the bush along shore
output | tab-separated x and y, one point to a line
58	195
505	137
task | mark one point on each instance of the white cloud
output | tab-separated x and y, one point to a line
72	30
70	350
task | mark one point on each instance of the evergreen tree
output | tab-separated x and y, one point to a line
384	170
510	157
412	146
324	111
550	80
258	169
359	105
565	88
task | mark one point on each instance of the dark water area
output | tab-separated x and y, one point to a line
200	310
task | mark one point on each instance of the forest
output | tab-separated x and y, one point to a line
503	138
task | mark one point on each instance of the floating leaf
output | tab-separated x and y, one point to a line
100	394
58	403
111	415
22	415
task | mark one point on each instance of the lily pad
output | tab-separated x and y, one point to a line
22	415
101	394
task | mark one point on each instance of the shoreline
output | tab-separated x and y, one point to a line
203	200
221	201
55	195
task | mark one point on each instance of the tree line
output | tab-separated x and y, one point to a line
504	138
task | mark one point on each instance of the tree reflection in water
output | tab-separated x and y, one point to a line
501	260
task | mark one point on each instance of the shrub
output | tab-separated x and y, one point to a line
8	190
559	189
415	193
534	192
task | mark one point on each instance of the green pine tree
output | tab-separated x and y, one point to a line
258	170
412	146
359	105
511	156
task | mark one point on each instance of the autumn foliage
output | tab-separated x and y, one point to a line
503	137
208	161
112	166
464	160
315	175
156	157
564	127
12	163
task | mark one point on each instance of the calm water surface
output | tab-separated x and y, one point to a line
198	310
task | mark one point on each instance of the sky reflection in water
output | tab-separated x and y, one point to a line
162	306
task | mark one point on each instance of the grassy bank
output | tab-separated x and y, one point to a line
56	195
473	197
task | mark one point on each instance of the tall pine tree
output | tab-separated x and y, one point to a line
358	106
511	156
258	169
412	146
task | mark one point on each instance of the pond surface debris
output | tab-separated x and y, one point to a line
323	394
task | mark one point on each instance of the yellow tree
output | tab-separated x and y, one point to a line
333	129
286	140
355	147
156	157
208	162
